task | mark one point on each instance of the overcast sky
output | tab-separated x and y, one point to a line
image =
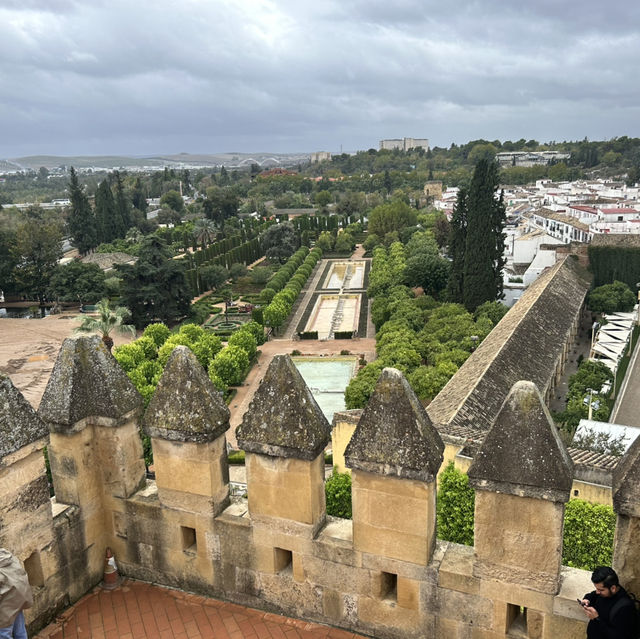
143	77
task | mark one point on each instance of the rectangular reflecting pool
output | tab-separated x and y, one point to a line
327	377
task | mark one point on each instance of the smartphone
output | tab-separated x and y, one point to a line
580	602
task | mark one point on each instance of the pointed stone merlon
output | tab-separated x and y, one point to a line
395	453
522	475
92	410
284	434
626	503
25	508
187	420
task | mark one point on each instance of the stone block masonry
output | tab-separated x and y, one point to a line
382	574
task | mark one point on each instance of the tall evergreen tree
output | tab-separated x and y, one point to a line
138	197
155	287
484	245
105	213
81	221
457	246
123	207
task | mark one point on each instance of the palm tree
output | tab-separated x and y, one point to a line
107	321
204	232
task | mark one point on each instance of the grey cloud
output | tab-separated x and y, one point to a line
209	76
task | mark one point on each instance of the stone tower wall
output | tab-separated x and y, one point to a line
381	574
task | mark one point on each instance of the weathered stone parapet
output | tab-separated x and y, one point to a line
626	502
19	423
395	436
87	384
394	453
283	419
186	406
187	420
393	517
284	434
522	475
290	489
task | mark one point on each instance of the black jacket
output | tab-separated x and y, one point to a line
621	626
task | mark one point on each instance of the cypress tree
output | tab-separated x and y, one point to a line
123	208
457	245
485	240
81	221
105	213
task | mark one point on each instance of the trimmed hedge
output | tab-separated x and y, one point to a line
308	335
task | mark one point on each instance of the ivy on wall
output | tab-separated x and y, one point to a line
610	263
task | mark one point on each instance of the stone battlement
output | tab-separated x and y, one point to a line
384	573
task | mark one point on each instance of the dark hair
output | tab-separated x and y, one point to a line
605	576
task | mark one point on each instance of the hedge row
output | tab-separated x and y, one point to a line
278	310
282	276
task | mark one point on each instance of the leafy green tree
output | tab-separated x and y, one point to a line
344	242
237	270
108	321
612	298
388	218
484	248
173	200
221	204
337	490
325	241
360	388
76	281
260	275
37	249
280	241
245	340
495	311
155	287
428	381
213	276
81	221
323	198
8	260
455	507
429	271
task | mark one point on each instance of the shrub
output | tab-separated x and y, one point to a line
148	346
159	333
179	339
308	335
455	506
230	365
128	353
245	340
588	535
338	494
193	332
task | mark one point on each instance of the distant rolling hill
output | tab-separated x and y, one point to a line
157	161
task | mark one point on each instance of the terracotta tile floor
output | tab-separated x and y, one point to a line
137	610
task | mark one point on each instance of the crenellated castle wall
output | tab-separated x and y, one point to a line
383	573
